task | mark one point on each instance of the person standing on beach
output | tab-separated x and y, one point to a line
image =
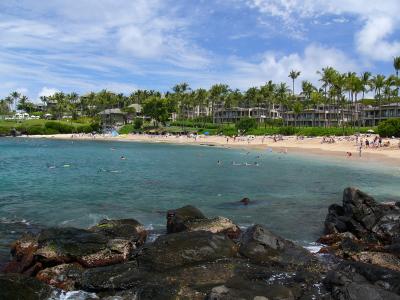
360	150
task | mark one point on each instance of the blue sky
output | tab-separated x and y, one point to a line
123	45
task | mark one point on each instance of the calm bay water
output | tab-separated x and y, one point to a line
65	183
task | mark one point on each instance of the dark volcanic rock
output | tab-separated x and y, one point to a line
64	276
189	218
20	287
178	218
363	230
364	217
262	246
351	280
186	248
23	252
128	229
116	277
110	242
60	245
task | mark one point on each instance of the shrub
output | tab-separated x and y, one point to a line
137	123
288	130
84	128
35	130
246	124
60	127
389	128
126	129
4	130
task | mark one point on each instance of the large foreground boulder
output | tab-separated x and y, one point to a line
20	287
189	218
263	247
109	242
352	281
362	216
186	248
127	229
363	230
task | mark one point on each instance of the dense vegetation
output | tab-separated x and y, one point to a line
339	90
43	127
389	128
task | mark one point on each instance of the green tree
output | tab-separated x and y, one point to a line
377	84
157	108
396	64
217	94
293	75
15	97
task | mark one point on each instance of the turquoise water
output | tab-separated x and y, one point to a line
65	183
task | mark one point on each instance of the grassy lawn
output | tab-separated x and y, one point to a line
35	127
40	122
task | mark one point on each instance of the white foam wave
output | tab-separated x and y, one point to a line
73	295
313	247
4	220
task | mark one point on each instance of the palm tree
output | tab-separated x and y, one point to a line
396	65
297	109
9	100
377	84
294	74
23	103
15	96
317	98
268	92
327	76
282	97
217	93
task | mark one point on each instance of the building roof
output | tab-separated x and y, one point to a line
112	111
136	106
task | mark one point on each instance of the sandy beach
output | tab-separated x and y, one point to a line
340	149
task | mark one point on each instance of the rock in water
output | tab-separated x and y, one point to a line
63	276
20	287
127	229
185	249
363	230
361	215
245	201
189	218
110	242
262	246
178	218
351	281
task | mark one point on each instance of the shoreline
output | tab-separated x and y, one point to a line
290	144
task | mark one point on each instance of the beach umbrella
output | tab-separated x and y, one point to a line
370	131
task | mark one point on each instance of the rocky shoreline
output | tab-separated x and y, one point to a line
212	258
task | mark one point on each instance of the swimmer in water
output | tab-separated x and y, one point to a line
123	157
219	163
256	164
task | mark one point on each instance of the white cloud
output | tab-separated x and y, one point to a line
46	92
380	20
275	67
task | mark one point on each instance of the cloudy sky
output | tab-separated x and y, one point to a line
122	45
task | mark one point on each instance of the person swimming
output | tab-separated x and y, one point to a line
219	163
122	157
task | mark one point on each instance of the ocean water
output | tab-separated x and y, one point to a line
78	183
